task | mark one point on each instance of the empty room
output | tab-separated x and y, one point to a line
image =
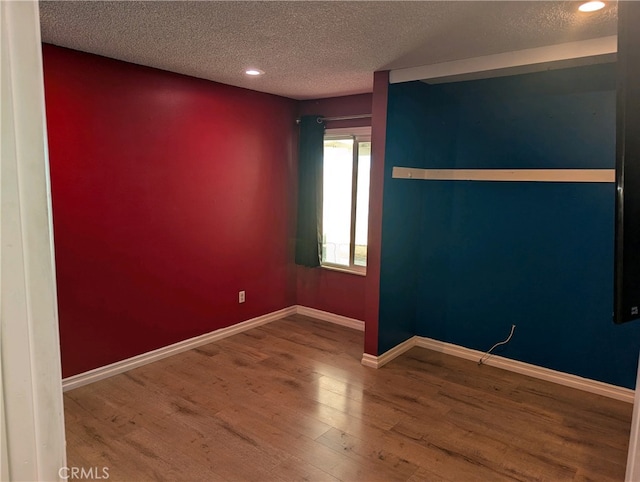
309	240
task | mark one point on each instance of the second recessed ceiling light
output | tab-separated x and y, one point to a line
591	6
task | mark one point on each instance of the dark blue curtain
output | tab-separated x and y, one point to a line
309	228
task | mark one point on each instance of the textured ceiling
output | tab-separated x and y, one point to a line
311	49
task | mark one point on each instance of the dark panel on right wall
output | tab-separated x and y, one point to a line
627	249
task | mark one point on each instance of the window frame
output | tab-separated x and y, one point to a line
358	134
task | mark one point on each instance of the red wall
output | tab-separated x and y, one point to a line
376	192
333	291
170	194
339	106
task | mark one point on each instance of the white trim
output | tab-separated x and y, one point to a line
31	413
379	361
330	317
122	366
372	361
512	175
345	270
561	378
633	457
605	47
151	356
359	132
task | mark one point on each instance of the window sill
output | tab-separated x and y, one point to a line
341	269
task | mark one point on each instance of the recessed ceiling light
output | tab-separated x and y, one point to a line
253	72
591	6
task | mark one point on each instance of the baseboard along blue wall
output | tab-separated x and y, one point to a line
462	261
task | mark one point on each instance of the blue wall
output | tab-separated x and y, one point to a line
462	261
423	135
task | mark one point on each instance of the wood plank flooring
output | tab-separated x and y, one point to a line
290	401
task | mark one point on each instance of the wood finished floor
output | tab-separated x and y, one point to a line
290	401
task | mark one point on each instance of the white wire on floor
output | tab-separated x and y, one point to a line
486	356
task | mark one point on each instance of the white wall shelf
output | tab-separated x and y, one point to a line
507	175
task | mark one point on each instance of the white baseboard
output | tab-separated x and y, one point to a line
379	361
330	317
166	351
370	361
561	378
151	356
566	379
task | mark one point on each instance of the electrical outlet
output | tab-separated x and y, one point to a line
241	297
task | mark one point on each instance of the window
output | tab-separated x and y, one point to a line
345	209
